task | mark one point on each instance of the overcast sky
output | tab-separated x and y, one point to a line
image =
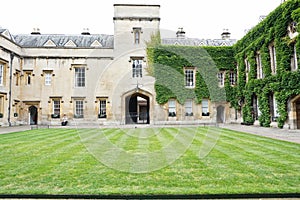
199	18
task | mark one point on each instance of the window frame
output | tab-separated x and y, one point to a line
136	35
260	72
188	107
137	67
232	78
272	51
221	78
247	69
78	108
172	108
79	76
189	77
48	78
294	60
102	114
205	109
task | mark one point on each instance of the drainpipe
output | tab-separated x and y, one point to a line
10	83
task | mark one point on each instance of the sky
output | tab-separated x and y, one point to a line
203	19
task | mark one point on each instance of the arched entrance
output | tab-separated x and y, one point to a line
294	115
220	114
137	107
33	115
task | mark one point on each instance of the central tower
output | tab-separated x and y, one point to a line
133	25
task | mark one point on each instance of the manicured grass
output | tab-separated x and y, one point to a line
67	161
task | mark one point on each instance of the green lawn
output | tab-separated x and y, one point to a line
146	161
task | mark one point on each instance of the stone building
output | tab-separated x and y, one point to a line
92	78
102	79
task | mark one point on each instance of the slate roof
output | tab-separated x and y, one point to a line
81	41
198	42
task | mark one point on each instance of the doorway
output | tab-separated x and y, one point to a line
220	114
33	115
298	114
137	109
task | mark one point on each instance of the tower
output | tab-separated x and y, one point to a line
133	25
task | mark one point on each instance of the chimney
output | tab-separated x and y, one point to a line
226	34
36	31
180	33
86	31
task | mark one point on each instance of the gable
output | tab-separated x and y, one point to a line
70	43
49	43
96	43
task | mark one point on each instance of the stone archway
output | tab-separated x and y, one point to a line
33	115
137	109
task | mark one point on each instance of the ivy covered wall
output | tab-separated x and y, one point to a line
285	83
166	64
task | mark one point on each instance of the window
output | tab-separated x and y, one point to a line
273	107
221	79
294	61
28	77
102	109
232	78
256	111
79	76
260	73
137	35
247	68
1	105
273	59
56	108
17	77
1	73
189	77
137	68
205	109
48	77
172	108
188	107
78	109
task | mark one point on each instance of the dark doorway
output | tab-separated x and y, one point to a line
137	109
33	115
298	114
220	114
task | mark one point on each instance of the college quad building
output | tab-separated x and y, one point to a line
136	76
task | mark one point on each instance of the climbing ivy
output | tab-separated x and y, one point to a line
284	84
168	64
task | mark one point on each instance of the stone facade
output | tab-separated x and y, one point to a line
93	79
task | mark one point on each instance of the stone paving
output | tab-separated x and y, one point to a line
276	133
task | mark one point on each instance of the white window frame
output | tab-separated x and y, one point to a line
221	79
137	68
188	105
260	73
205	107
48	78
172	108
80	73
232	78
294	60
247	69
79	109
102	108
272	50
56	106
189	77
